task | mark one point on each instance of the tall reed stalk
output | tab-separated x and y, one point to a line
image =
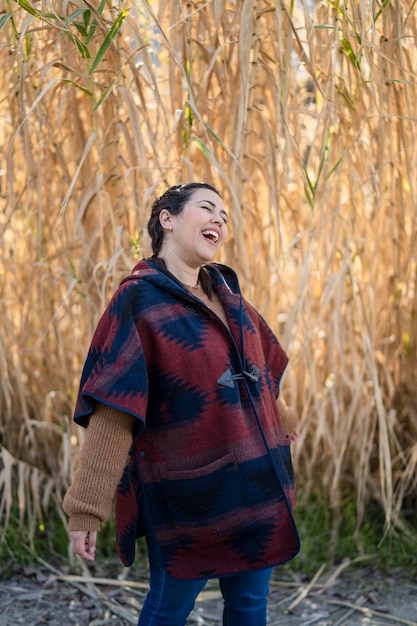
304	116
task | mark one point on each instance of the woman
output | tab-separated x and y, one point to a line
179	395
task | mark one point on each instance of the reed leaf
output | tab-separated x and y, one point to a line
108	40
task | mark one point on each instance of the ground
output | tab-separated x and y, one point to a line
339	596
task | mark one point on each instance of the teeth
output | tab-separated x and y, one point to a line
212	233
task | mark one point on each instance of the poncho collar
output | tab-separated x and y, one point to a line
224	279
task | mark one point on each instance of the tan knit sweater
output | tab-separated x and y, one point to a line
103	456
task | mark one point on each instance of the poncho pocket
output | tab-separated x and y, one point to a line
209	503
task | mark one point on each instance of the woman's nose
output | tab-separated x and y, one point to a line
217	219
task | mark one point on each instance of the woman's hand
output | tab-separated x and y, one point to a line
294	436
83	543
290	420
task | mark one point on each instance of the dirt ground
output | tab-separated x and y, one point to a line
343	596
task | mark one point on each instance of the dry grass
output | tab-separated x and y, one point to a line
305	118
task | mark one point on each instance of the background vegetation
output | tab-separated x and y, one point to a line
304	116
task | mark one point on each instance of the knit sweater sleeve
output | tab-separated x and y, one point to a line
102	459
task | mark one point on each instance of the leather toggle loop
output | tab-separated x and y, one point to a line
227	379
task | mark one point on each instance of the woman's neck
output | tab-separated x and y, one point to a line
187	275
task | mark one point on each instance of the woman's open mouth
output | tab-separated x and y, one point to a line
212	235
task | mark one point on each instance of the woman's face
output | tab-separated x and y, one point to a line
199	230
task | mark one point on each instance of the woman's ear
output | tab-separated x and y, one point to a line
165	219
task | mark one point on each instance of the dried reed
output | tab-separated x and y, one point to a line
304	116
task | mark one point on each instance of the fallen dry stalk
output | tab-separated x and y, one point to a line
367	611
111	582
306	589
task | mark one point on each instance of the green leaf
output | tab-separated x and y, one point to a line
311	187
104	95
28	44
86	18
77	13
108	40
27	7
91	32
202	146
71	17
324	27
407	345
81	30
346	96
188	114
323	157
336	165
349	52
215	135
82	48
4	19
309	198
336	6
101	7
188	70
72	20
71	82
384	6
93	27
24	4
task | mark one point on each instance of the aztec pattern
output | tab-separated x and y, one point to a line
209	453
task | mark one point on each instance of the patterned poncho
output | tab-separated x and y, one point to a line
209	452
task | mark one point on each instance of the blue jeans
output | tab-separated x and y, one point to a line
170	601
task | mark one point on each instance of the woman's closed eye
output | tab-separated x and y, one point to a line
223	215
211	208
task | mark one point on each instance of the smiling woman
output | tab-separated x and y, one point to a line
179	392
193	236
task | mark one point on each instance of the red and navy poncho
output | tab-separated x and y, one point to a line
209	451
